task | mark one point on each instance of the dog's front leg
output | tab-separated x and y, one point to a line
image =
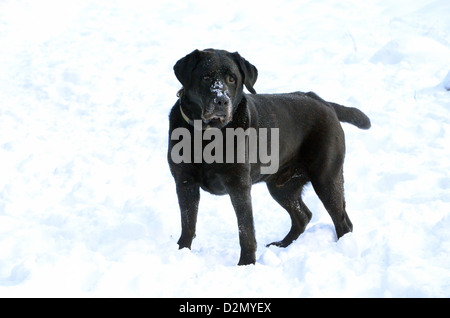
241	199
188	197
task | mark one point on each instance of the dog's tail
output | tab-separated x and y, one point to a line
351	115
346	114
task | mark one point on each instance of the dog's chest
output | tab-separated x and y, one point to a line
212	182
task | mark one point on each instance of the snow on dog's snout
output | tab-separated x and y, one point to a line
222	101
220	90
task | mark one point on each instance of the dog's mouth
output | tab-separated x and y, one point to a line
218	112
216	122
217	118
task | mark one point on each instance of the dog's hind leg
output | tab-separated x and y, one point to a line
330	190
289	197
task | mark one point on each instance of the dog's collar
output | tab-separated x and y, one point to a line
185	117
183	114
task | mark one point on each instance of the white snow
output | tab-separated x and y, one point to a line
88	205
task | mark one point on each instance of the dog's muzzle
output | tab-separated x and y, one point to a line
219	109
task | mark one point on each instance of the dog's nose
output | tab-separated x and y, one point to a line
222	100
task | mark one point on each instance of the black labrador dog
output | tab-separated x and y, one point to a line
309	146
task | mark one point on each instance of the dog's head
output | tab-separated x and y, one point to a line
213	83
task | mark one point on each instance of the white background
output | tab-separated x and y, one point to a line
88	205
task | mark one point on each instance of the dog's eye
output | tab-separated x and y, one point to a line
231	79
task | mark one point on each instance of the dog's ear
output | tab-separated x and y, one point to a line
184	67
248	70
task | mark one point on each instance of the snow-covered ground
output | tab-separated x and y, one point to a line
88	205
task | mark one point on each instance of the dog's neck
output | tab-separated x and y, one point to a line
185	117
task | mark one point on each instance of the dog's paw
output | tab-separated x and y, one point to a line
247	260
185	242
278	244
